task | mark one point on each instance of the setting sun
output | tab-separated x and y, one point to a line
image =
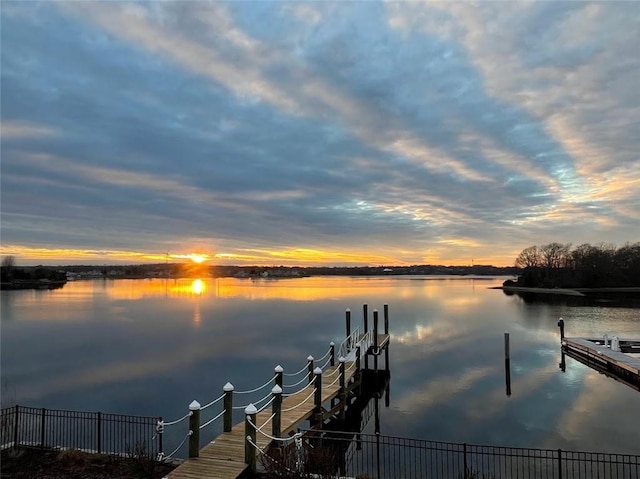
198	258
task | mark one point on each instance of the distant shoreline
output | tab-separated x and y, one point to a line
583	292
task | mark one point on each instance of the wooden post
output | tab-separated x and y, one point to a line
310	369
228	407
561	326
347	315
358	351
332	354
317	397
365	318
276	410
376	352
250	434
279	370
343	389
194	429
507	364
386	318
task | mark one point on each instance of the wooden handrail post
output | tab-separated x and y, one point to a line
365	318
375	340
343	388
386	318
347	315
227	418
279	370
194	428
276	410
561	326
250	413
310	369
332	354
317	397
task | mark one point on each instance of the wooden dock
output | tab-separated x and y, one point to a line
609	356
233	452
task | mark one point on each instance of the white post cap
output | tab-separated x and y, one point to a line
317	371
276	390
347	310
332	343
342	359
228	388
278	369
310	358
250	409
194	406
375	310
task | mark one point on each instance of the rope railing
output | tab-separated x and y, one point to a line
304	368
249	391
326	363
304	378
269	436
267	422
301	403
255	403
265	406
212	402
334	381
162	424
298	391
326	355
213	419
169	456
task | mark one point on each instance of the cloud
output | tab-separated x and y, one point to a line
421	130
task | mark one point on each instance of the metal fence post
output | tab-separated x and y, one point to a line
228	407
99	433
15	426
250	435
42	425
559	463
466	468
194	429
160	449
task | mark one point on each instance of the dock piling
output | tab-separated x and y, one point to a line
365	318
194	429
507	364
228	407
375	340
317	398
310	369
279	370
561	326
332	354
343	388
276	410
347	317
250	434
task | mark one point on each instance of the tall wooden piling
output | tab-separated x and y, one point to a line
310	369
376	351
276	411
250	413
317	398
507	364
332	354
561	326
279	370
365	324
343	389
347	318
194	429
386	331
228	407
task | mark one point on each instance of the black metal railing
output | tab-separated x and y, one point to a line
379	456
91	431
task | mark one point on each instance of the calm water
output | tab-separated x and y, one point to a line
152	346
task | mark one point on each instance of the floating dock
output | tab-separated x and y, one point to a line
608	355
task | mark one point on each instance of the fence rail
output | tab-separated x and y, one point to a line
381	457
91	431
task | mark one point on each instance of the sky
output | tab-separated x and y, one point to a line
307	133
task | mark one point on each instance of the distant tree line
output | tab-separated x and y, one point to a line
557	265
11	273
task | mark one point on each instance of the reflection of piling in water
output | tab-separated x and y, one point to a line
507	363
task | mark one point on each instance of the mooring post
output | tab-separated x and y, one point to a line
276	410
347	316
561	326
228	407
332	354
279	370
317	397
386	318
365	318
310	369
507	364
194	429
250	413
343	388
375	340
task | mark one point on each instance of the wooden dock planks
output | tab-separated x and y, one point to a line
223	458
603	354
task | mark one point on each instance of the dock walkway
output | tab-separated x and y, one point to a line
233	452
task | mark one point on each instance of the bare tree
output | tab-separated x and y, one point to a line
555	255
529	257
